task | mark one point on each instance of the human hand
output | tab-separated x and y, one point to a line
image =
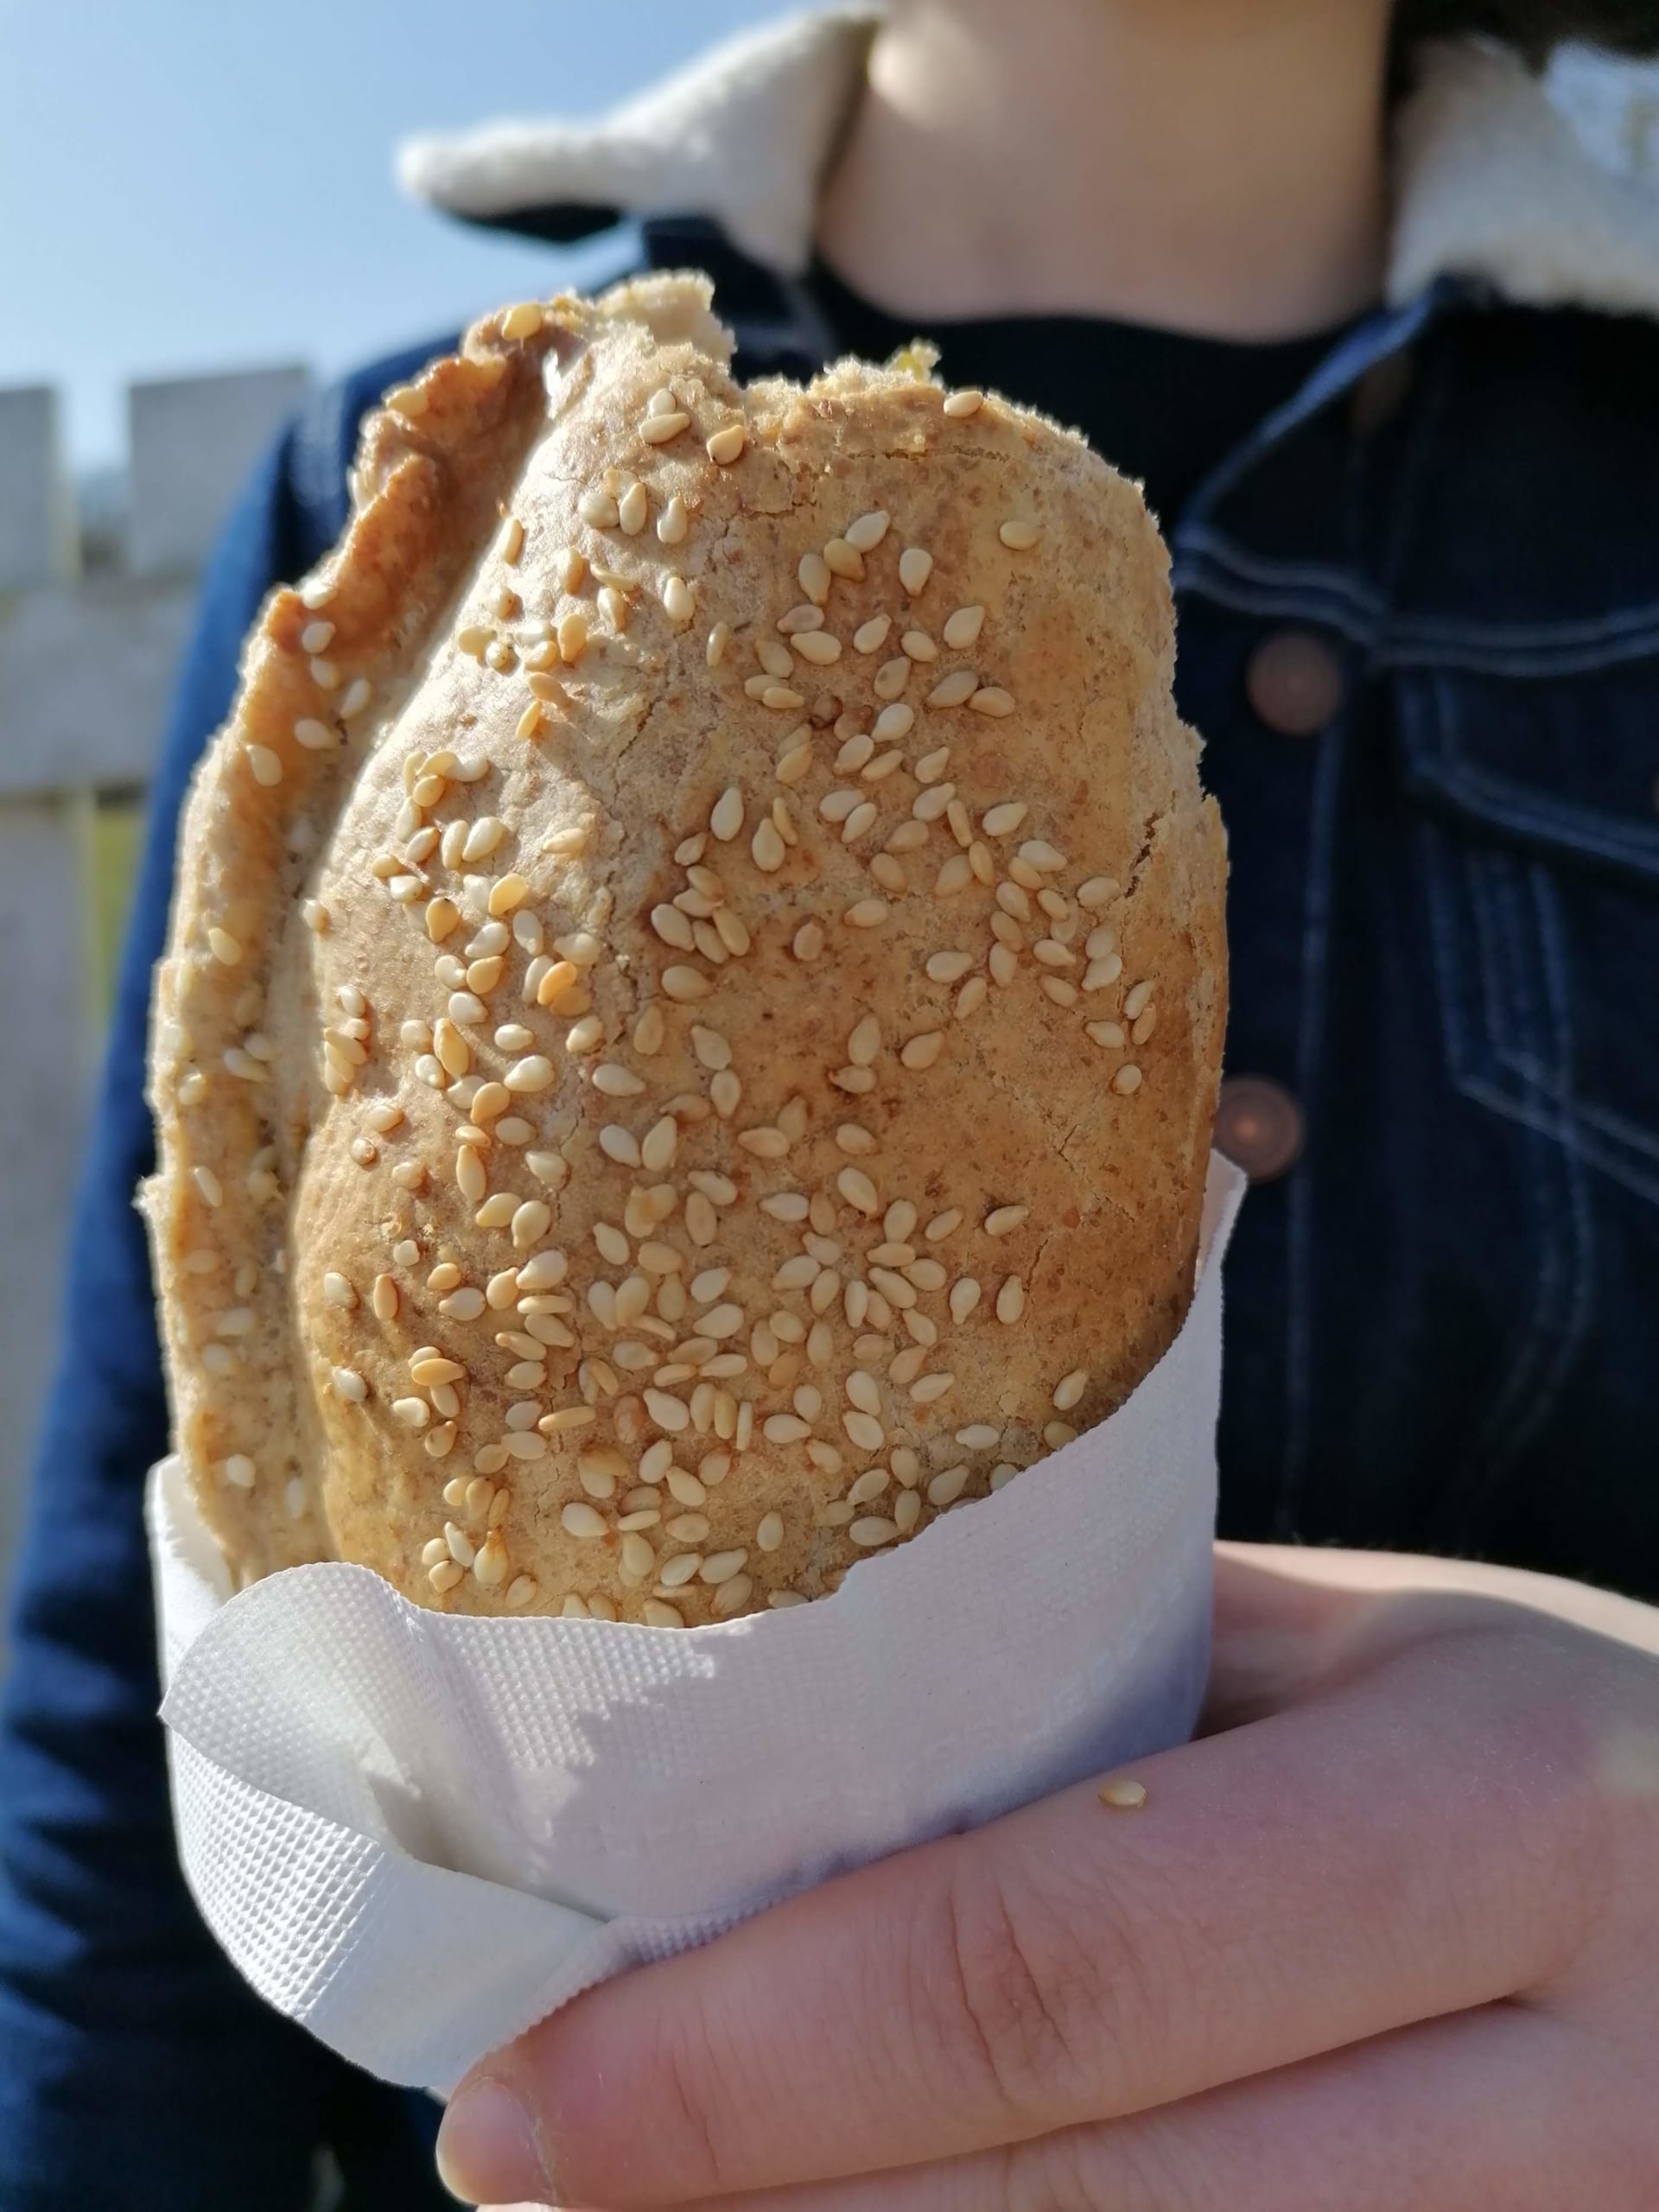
1387	1936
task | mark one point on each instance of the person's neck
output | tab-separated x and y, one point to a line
1214	166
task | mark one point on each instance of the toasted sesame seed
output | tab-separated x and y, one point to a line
816	577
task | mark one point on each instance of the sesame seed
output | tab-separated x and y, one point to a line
531	1074
658	1614
719	638
872	1532
726	445
915	567
727	818
679	603
954	875
684	985
583	1522
946	1488
817	648
991	700
633	509
385	1299
722	1567
922	1052
1126	1081
816	577
522	321
510	892
866	915
207	1184
859	1191
1136	999
663	429
1070	1390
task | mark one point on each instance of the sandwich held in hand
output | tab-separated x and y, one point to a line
689	1034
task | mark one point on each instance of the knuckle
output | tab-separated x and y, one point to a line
1019	1998
686	2063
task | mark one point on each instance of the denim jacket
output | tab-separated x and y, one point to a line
1442	1325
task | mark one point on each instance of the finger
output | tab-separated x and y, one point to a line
1289	1619
1494	2109
1402	1849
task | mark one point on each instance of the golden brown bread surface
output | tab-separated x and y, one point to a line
690	1028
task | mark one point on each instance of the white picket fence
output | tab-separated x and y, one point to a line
92	622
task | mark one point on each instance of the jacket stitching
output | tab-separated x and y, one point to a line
1300	1197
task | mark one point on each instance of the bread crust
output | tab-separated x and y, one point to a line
644	1118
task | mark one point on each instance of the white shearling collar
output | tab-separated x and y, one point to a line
1548	189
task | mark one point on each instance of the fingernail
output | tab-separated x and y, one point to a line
487	2152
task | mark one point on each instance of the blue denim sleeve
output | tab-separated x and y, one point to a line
136	2071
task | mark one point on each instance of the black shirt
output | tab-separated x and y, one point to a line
1161	405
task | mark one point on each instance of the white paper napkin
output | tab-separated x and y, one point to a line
418	1834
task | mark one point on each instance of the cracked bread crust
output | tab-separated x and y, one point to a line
690	1027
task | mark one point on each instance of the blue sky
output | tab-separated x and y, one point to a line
188	185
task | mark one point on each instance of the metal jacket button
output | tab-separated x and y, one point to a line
1259	1126
1294	682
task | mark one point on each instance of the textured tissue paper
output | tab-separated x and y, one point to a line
418	1834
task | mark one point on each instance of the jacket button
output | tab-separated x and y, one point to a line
1259	1127
1294	682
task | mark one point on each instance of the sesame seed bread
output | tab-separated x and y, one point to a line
691	1021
